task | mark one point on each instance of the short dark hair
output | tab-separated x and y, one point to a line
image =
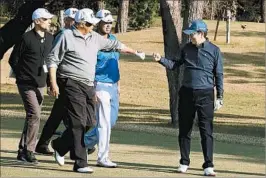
204	34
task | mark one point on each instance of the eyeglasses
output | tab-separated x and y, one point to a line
110	23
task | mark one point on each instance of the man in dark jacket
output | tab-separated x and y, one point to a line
28	63
203	71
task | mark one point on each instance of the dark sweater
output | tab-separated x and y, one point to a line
203	66
28	57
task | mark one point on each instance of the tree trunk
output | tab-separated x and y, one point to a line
193	11
212	9
263	9
122	18
100	4
13	30
172	26
233	10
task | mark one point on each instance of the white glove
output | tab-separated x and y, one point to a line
156	57
218	104
140	54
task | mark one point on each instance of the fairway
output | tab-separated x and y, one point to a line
140	154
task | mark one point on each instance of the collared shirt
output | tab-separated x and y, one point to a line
203	66
28	57
76	57
107	67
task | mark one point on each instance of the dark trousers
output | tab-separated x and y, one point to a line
191	101
32	98
57	115
80	115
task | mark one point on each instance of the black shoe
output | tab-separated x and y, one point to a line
91	150
30	157
43	150
21	155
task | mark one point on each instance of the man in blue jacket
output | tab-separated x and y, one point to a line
203	71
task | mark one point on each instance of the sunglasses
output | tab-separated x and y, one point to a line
110	23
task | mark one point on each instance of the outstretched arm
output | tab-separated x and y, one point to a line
169	64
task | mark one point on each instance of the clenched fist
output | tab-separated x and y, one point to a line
156	57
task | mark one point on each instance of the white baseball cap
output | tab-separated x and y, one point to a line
86	15
70	12
41	13
105	15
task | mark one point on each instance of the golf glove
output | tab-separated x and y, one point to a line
218	104
140	54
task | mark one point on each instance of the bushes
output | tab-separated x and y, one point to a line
142	13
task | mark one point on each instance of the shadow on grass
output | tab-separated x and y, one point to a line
243	33
242	73
167	169
12	129
128	113
11	162
245	153
253	58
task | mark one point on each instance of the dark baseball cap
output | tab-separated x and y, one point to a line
196	25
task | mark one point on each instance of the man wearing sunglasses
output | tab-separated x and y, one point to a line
203	71
57	112
72	64
107	92
28	63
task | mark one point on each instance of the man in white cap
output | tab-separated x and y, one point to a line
71	66
69	17
57	112
107	91
28	63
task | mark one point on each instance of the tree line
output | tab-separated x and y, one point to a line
139	14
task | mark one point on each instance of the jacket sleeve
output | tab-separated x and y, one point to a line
172	64
107	44
58	51
16	55
218	73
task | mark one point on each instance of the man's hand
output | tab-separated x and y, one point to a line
49	91
156	57
218	104
140	54
54	90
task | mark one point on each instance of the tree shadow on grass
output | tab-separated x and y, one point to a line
8	100
253	58
12	162
137	114
242	33
169	169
